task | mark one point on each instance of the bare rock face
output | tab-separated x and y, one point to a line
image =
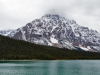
54	30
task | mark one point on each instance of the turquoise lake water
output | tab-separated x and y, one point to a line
51	67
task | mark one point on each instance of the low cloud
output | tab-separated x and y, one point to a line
16	13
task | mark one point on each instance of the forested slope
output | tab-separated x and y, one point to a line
11	49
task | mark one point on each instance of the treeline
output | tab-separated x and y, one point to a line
11	49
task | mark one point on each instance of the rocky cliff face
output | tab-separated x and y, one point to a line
54	30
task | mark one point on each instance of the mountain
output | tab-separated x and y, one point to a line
54	30
11	49
7	32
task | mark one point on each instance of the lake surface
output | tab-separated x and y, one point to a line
51	67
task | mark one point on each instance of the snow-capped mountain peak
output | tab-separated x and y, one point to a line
54	30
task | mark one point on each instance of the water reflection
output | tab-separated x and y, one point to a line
55	67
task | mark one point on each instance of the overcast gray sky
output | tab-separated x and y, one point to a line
17	13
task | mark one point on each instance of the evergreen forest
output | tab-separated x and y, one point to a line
11	49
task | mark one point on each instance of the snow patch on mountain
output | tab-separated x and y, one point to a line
53	40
